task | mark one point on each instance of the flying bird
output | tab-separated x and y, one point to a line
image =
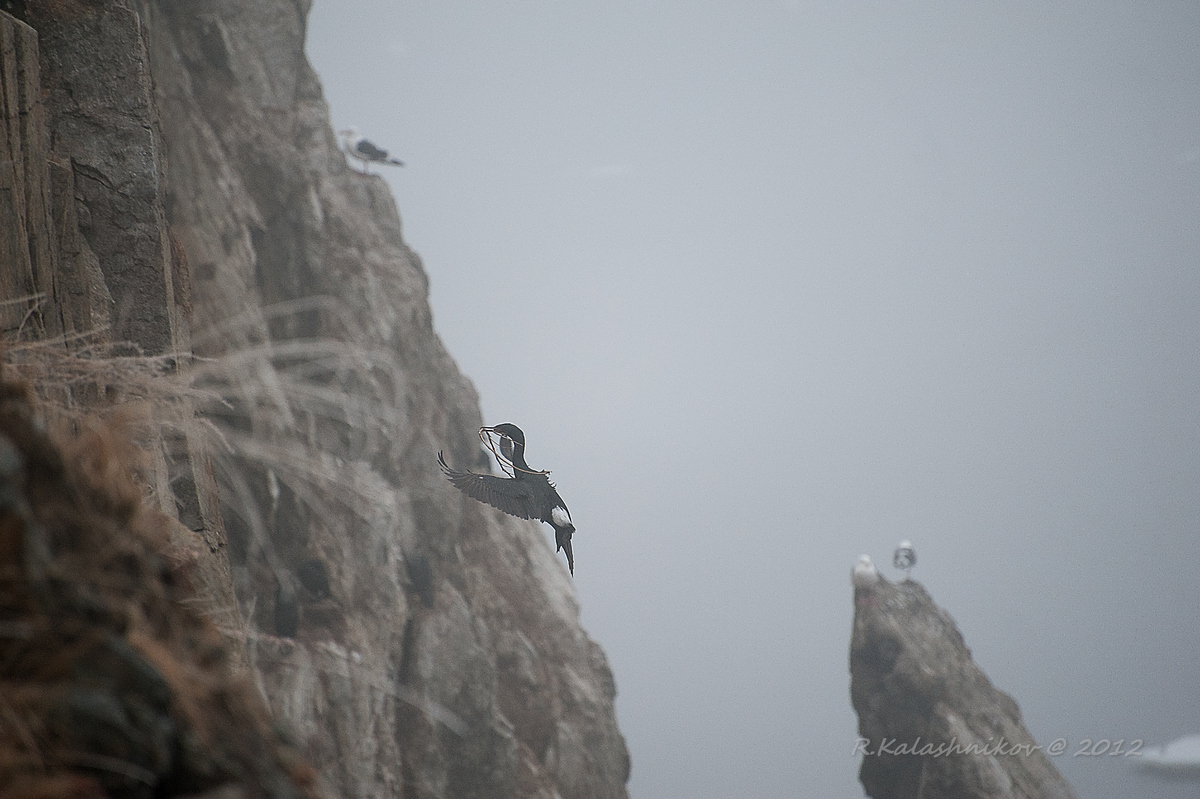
527	494
358	146
904	558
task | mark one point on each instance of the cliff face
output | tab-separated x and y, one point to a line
932	725
414	642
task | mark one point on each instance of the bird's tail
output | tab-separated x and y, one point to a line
562	537
395	162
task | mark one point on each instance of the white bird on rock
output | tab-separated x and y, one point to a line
904	557
359	147
865	575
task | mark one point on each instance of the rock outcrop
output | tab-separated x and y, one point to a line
411	641
931	724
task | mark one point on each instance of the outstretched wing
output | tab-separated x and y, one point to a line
514	497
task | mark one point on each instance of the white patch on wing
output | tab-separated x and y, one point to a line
560	516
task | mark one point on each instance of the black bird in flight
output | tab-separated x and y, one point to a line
528	494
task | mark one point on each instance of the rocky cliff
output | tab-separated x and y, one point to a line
180	190
931	724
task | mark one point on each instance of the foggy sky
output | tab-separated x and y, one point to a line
769	285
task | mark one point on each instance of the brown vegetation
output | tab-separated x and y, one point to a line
109	683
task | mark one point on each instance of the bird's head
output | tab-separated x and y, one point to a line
509	431
510	437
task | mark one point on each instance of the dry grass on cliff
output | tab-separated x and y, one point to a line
120	418
309	414
305	417
82	377
289	435
109	683
278	407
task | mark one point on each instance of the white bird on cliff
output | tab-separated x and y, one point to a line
864	575
359	147
904	558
